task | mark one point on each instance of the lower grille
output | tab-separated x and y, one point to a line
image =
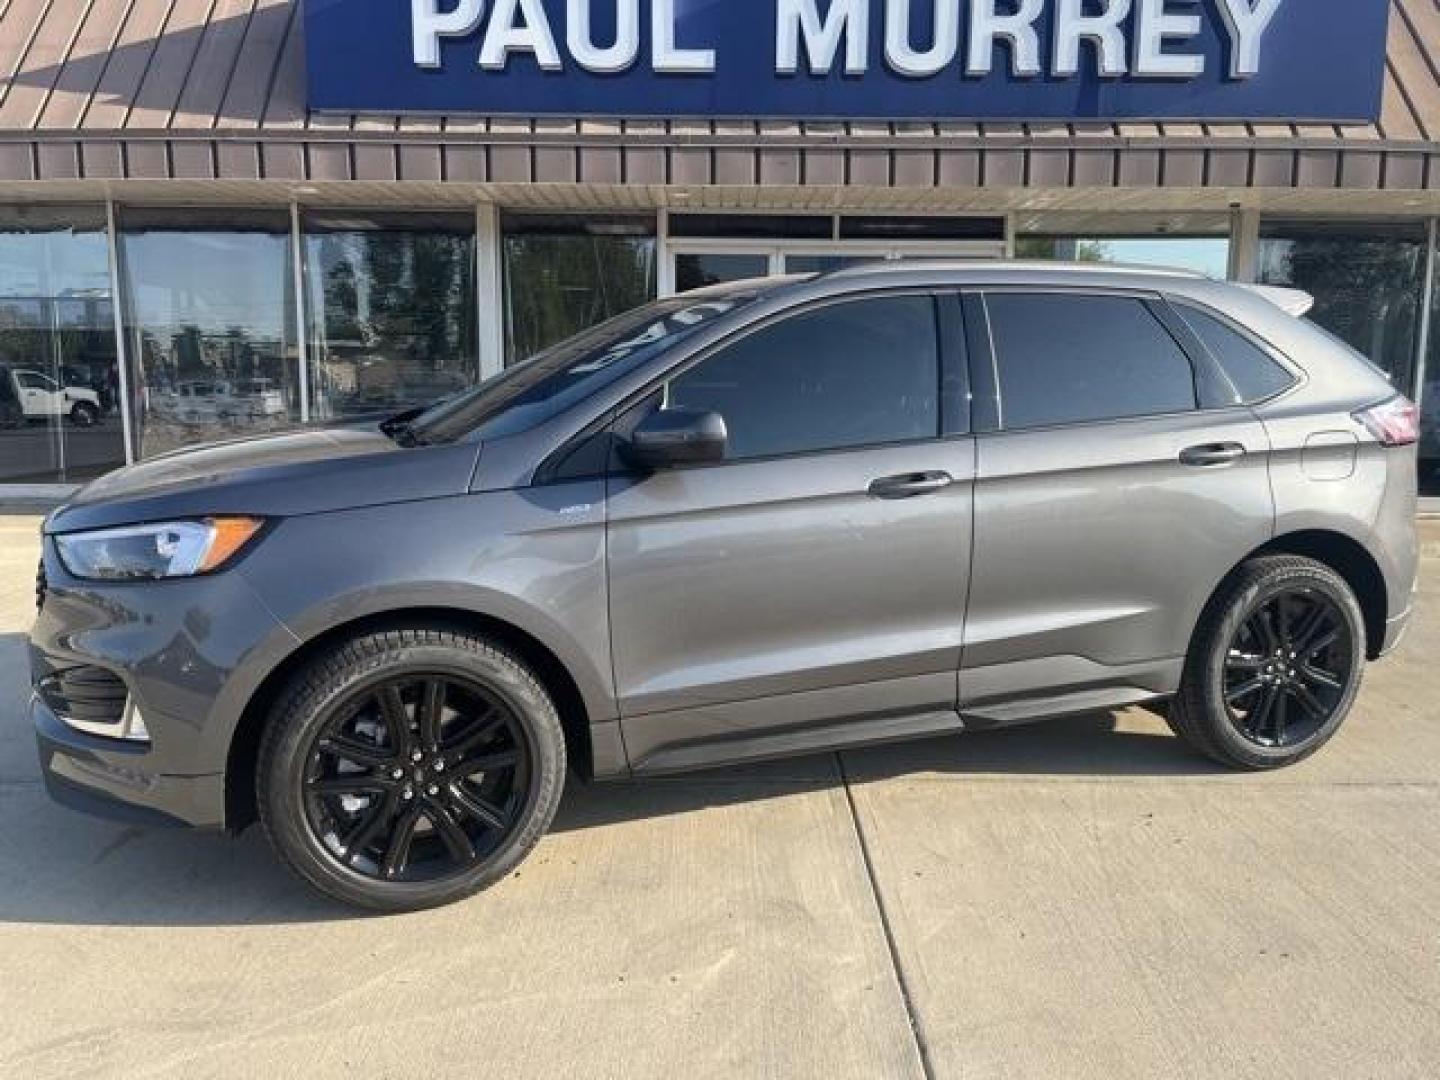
90	696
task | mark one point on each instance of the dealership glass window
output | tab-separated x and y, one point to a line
565	273
59	378
1187	241
210	324
1430	402
697	270
1368	280
391	311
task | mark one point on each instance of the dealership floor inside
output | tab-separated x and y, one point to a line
1082	898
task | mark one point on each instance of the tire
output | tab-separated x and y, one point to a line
342	704
1221	713
84	414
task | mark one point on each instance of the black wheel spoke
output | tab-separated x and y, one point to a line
368	830
1268	638
483	730
451	833
482	763
1244	690
1280	716
1319	676
1314	648
402	836
1318	619
1309	702
488	814
397	719
369	755
432	710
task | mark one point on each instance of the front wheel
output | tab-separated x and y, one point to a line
1275	666
84	414
410	768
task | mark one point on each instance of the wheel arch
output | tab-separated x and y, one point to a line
1350	559
244	747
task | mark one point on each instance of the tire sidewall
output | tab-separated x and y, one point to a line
1239	607
303	713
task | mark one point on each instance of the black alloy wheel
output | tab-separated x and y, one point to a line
410	767
416	778
1275	665
1288	667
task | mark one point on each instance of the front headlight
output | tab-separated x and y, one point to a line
173	549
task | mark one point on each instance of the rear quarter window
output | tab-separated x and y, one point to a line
1254	373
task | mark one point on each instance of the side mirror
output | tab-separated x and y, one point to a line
671	437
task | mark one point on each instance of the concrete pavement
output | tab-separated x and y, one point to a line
1082	898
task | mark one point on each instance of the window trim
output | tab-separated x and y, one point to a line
1298	376
986	376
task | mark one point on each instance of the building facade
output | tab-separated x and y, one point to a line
199	239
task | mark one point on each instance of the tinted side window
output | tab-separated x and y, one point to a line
1065	359
855	373
1254	374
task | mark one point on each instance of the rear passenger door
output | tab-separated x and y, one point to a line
1117	482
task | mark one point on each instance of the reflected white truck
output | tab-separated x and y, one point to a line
42	398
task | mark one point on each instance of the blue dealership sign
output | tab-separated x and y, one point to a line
1290	60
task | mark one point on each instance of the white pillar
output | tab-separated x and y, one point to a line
489	290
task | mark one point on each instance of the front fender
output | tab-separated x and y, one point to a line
525	558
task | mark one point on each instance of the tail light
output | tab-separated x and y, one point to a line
1394	423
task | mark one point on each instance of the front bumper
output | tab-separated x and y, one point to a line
187	655
1395	631
114	780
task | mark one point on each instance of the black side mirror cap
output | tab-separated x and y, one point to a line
668	438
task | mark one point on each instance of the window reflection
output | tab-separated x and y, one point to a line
565	274
391	311
1367	279
210	317
59	379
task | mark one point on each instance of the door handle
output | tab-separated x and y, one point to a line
1212	454
910	485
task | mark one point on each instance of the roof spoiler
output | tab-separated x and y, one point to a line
1293	302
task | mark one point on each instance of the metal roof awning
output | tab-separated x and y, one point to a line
122	94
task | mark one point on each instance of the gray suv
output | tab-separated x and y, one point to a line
762	519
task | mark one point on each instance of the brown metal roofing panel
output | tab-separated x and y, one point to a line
19	24
1414	41
129	60
84	65
285	109
256	69
27	92
215	60
170	65
1397	119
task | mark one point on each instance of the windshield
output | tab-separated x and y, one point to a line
530	393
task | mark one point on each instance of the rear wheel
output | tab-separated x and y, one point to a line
1275	667
410	768
84	414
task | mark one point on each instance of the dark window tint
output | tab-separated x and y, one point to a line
1069	359
857	373
1249	368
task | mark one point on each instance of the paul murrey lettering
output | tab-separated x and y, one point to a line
1142	38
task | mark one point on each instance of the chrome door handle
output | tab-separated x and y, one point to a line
1212	454
909	485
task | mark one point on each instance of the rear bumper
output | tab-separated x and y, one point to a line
114	780
1395	631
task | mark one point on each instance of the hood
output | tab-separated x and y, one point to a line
305	472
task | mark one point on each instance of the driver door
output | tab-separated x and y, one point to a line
811	587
